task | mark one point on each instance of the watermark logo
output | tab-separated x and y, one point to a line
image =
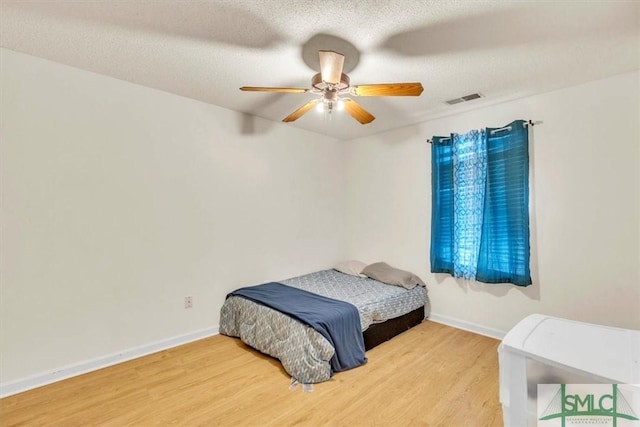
562	405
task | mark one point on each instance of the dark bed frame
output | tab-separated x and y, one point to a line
380	332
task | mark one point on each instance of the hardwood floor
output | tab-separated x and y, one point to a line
431	375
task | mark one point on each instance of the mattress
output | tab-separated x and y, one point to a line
375	301
304	353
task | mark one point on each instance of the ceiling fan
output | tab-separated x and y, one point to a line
331	83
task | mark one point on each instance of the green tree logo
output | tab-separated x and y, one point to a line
564	405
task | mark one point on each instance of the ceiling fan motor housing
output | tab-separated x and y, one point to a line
322	86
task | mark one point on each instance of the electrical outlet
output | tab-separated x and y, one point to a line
188	302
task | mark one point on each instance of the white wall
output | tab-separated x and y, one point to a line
119	200
585	207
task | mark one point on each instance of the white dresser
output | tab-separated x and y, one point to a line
548	350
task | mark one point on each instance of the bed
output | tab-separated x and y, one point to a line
384	311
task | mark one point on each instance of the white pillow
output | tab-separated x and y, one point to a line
351	267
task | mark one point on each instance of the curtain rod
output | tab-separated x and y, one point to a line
525	124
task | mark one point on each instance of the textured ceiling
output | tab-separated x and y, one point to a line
206	50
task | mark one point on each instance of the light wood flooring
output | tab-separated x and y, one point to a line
431	375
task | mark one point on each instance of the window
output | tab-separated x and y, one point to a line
480	205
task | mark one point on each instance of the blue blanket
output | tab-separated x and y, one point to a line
337	321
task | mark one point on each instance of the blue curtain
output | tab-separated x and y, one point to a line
480	205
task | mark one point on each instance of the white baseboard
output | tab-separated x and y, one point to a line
467	326
44	378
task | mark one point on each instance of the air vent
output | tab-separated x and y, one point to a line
454	101
465	98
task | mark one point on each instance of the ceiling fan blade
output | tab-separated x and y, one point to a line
388	89
331	64
274	89
357	112
300	111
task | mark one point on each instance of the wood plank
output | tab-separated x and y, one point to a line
301	111
388	89
430	375
274	89
356	111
